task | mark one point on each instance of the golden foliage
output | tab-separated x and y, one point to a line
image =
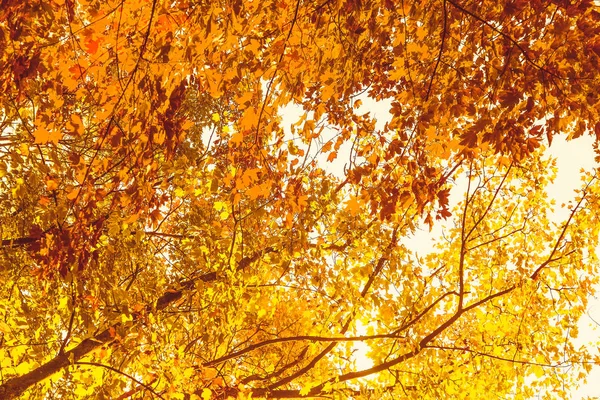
164	235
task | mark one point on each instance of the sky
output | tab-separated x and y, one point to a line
571	157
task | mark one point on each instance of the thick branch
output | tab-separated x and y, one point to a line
15	387
19	242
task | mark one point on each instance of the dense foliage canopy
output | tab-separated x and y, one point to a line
164	235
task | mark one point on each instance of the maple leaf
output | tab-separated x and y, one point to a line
91	46
469	138
237	138
353	205
254	192
43	136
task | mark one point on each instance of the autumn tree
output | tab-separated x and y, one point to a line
165	236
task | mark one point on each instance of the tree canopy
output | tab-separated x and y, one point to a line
164	235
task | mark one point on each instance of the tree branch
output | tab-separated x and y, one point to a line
315	360
504	35
15	387
551	258
439	57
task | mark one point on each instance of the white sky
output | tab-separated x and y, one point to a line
571	157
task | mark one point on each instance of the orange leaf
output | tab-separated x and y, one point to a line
353	205
73	194
41	135
254	192
237	138
91	46
51	185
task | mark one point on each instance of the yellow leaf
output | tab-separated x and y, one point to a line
4	328
179	192
62	303
98	373
5	361
537	370
206	394
188	372
51	185
305	390
386	312
23	368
